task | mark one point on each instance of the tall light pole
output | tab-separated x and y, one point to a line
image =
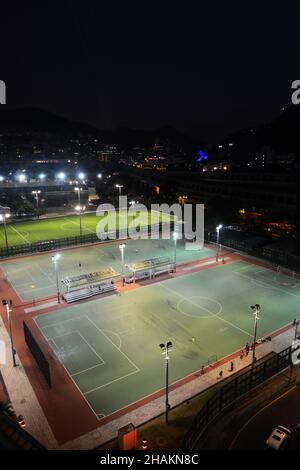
119	186
5	214
8	306
79	208
165	351
36	197
55	259
256	309
218	228
122	248
175	236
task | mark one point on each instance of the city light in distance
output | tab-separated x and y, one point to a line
81	175
42	176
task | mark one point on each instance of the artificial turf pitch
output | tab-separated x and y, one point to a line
32	231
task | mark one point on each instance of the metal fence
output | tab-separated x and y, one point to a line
265	252
60	243
241	384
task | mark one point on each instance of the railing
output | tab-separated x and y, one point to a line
238	386
60	243
264	252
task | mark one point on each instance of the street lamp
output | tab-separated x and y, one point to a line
175	236
55	259
122	248
256	309
119	186
165	350
8	306
99	176
42	176
218	228
5	214
81	176
36	197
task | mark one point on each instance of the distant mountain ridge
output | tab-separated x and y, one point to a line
282	134
35	120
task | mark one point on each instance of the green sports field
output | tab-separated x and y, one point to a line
60	227
110	346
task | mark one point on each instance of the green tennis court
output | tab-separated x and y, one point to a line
69	226
34	277
110	347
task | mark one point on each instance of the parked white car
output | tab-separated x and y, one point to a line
278	438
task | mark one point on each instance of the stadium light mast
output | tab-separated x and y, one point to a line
79	208
55	259
8	306
5	214
175	236
256	310
119	186
218	228
122	248
165	351
36	197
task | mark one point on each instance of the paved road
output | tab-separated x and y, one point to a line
284	410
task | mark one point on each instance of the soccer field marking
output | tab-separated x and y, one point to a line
77	225
65	368
111	382
210	314
20	235
265	284
196	305
46	275
107	337
116	334
91	347
86	370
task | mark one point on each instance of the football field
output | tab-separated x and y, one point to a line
110	346
19	233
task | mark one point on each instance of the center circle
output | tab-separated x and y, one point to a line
199	307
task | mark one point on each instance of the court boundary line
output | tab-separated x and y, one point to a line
193	303
64	367
265	284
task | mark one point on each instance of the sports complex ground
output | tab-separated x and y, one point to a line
104	353
31	231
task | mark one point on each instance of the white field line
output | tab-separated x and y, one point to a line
107	337
91	347
20	235
265	284
83	226
198	306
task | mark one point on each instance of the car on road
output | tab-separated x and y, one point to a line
278	438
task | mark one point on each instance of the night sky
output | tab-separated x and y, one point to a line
207	68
